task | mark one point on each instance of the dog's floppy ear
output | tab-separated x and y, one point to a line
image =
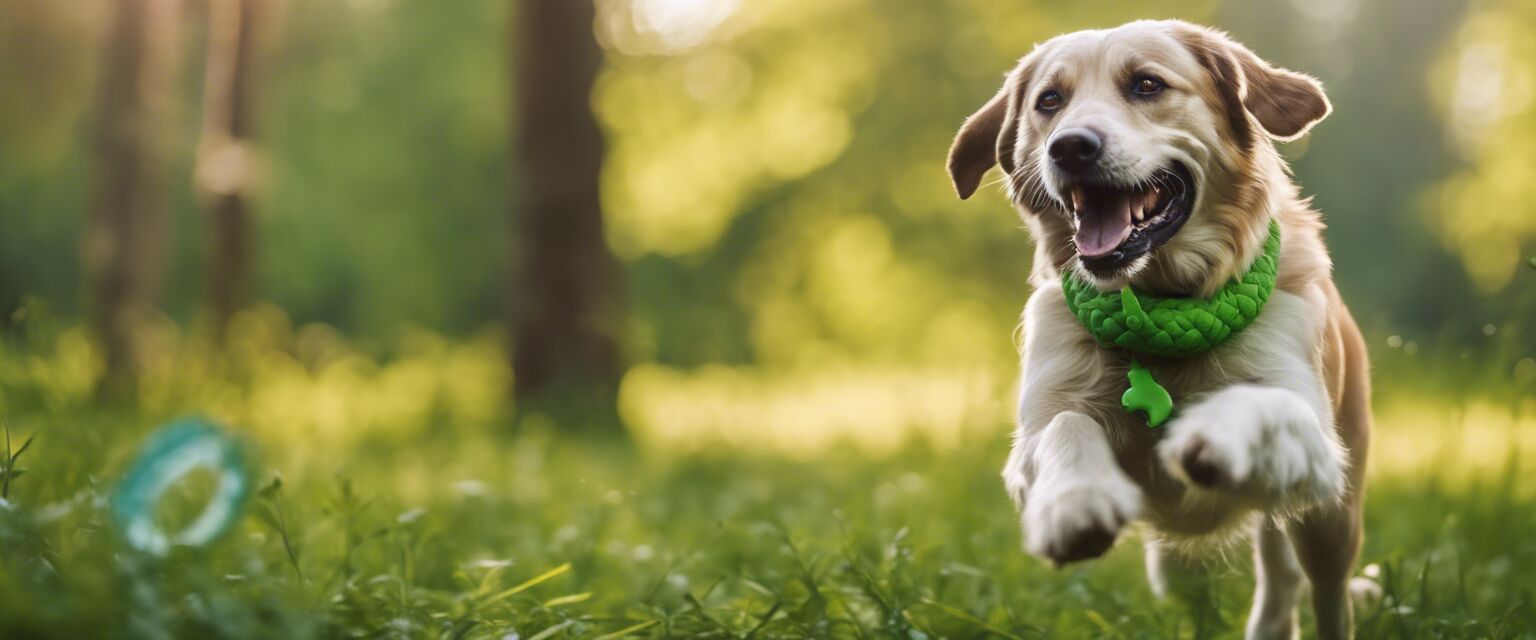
985	139
1285	103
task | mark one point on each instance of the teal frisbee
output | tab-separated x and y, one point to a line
169	455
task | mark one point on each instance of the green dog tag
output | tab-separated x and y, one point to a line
1146	396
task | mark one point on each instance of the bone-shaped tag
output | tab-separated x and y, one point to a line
1146	396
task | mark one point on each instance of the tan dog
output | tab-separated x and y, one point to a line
1144	154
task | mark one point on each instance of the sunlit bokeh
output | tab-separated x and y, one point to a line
1487	82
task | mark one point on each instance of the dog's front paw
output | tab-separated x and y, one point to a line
1078	519
1255	440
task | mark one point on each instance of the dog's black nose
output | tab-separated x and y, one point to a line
1076	149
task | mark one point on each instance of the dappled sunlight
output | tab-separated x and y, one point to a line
829	287
307	394
699	134
641	27
811	413
1453	441
304	393
820	413
1485	84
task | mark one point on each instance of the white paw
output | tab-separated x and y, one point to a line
1260	440
1076	519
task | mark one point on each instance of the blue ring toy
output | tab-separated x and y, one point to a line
168	456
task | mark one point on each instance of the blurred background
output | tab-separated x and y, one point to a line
560	318
708	220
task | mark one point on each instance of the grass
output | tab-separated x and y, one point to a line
534	535
442	522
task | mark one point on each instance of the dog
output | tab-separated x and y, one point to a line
1145	155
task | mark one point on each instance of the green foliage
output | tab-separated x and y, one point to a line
774	180
727	544
8	469
435	522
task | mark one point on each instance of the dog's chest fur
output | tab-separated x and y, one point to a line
1171	506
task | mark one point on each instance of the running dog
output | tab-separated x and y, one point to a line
1144	156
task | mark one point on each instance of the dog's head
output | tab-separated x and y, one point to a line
1148	147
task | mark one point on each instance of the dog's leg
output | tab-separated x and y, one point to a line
1327	540
1172	573
1158	568
1074	496
1273	616
1181	574
1063	474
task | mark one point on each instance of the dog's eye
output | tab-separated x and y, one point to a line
1048	101
1146	86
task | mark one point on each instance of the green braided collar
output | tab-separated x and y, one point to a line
1142	323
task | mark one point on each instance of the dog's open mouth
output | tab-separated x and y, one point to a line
1117	224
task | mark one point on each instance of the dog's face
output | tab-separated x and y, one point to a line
1139	142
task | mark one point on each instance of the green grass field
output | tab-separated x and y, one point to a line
420	513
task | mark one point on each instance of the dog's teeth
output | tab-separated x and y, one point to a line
1077	198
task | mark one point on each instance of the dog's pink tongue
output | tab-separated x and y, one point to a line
1103	222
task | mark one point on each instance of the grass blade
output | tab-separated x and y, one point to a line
550	632
629	630
531	583
963	615
570	599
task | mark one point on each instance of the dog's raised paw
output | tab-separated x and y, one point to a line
1255	441
1207	453
1199	466
1078	521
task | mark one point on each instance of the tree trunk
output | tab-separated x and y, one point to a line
225	172
565	293
127	228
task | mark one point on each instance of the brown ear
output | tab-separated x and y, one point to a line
978	145
1285	103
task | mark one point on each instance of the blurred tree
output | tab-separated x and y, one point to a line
127	229
565	286
225	170
49	53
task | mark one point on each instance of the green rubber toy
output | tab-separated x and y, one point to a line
1145	323
1141	322
1146	396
